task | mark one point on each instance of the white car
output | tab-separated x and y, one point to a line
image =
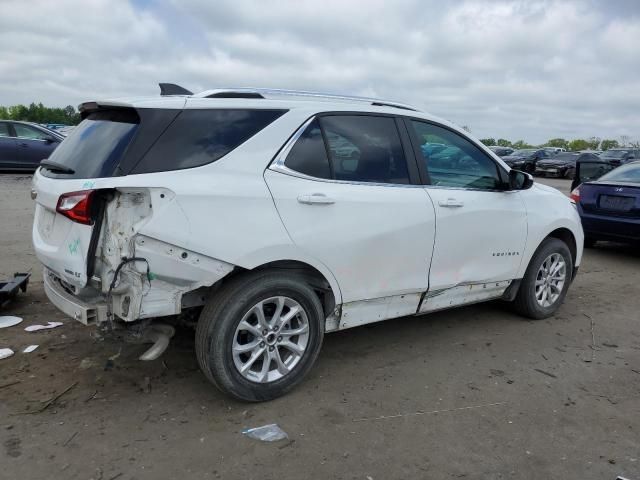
236	201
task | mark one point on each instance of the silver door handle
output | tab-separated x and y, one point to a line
451	203
315	199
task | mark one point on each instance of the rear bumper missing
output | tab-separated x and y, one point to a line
88	313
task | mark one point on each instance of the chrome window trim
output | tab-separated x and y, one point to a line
278	165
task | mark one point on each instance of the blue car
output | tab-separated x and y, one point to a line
23	145
609	206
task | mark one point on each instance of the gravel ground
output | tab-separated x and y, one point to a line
475	392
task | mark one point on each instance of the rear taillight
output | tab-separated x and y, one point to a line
76	206
575	195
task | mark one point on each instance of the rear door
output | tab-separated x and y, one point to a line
33	145
7	147
481	229
348	194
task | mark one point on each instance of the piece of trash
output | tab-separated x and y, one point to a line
35	328
9	321
266	433
5	353
29	349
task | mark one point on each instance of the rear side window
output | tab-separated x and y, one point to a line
198	137
4	130
365	148
361	148
94	148
309	155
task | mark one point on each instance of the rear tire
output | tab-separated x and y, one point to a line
226	348
543	290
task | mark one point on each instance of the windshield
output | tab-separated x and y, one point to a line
524	152
627	173
94	148
614	154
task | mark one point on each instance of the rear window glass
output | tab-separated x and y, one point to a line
626	173
94	148
198	137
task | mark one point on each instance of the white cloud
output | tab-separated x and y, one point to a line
513	69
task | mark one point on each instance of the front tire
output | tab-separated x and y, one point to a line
260	335
546	281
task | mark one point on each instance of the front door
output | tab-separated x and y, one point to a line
357	207
481	228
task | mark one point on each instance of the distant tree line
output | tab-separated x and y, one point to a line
38	113
593	143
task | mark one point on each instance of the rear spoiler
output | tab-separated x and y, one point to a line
167	89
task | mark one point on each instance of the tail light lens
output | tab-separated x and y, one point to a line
76	206
575	195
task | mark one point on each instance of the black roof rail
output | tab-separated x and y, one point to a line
394	105
167	89
235	95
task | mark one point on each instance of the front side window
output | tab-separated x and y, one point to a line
25	131
453	161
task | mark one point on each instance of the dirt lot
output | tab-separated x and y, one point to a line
473	393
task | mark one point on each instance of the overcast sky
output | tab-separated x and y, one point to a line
529	70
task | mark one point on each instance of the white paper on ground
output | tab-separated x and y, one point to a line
35	328
5	353
9	321
29	349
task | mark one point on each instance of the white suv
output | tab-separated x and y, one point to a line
287	215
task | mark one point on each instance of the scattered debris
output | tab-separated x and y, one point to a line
69	439
9	288
9	321
30	348
5	353
15	382
446	410
49	402
92	396
35	328
87	363
266	433
610	345
145	385
548	374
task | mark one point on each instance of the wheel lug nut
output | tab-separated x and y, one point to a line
265	331
271	348
261	344
280	338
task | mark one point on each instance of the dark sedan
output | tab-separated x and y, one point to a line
620	156
563	164
609	207
501	151
23	145
526	159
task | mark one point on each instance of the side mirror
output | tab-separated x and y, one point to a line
519	180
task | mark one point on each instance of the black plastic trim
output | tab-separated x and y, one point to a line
167	89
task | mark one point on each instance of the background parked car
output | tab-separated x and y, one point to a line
609	207
501	151
23	145
562	164
620	156
554	150
526	159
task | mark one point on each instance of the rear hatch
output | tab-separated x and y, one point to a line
68	205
